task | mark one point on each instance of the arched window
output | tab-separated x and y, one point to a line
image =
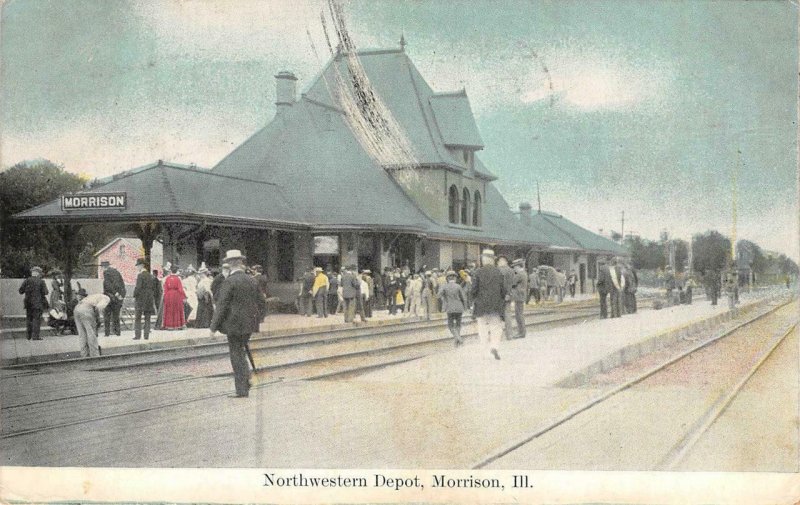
476	209
465	207
452	200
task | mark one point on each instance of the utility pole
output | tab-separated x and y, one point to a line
734	199
538	197
623	226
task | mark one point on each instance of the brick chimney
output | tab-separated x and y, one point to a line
285	92
525	213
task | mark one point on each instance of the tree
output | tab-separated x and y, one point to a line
645	254
681	254
710	250
752	254
25	185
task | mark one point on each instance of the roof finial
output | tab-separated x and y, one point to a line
402	41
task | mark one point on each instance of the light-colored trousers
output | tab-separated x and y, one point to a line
414	305
87	330
490	330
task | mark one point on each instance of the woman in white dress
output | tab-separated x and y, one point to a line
190	288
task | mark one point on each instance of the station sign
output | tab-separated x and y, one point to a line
94	201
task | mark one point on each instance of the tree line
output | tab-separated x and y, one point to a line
711	251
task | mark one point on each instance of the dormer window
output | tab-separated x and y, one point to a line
468	157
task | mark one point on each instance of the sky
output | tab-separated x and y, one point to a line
651	108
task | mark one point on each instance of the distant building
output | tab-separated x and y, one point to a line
122	253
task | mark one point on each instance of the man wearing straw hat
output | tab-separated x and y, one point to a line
240	309
35	301
489	295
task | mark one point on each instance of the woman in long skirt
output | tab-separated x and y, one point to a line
205	303
174	297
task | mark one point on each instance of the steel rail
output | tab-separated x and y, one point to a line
199	350
282	366
498	453
684	446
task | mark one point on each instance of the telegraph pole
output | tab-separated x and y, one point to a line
734	192
538	197
623	226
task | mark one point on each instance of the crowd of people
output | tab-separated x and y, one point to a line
182	298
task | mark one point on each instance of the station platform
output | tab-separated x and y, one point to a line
442	411
16	349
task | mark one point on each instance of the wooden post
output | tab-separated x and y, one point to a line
68	235
147	232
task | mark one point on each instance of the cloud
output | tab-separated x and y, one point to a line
597	78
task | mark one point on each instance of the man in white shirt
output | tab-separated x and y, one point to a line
617	287
87	320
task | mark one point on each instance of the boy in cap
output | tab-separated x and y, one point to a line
454	302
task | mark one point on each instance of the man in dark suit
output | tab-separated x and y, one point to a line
145	295
35	292
114	288
159	298
489	298
631	285
351	291
240	309
219	278
604	287
306	298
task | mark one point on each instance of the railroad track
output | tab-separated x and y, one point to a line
690	437
307	338
407	343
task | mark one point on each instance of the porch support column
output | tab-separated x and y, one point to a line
147	233
68	235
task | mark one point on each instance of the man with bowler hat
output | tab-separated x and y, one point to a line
114	289
240	309
35	292
145	296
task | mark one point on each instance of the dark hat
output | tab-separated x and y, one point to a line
139	261
55	272
82	292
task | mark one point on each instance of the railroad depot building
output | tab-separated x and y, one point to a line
369	166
